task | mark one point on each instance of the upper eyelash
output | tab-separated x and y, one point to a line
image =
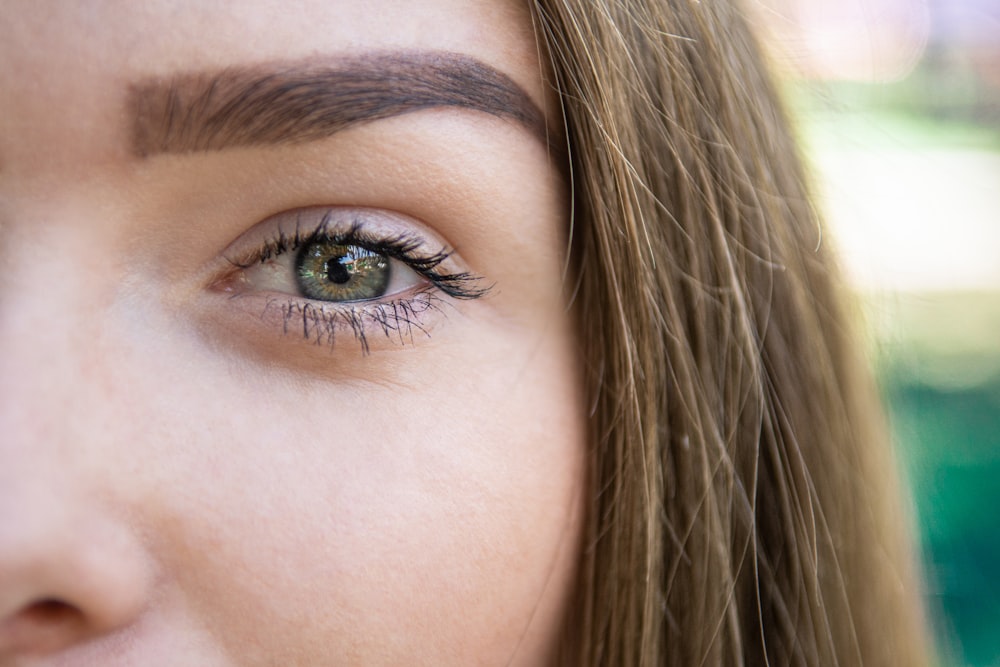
403	247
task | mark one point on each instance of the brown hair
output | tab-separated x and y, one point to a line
744	508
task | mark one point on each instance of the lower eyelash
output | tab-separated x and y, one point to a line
398	320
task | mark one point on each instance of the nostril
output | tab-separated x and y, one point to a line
46	624
50	611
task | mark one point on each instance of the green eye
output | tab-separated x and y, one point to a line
330	272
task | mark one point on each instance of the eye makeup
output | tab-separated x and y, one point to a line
321	272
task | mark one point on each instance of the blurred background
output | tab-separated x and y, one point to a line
898	107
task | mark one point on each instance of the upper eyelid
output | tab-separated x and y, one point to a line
402	246
302	223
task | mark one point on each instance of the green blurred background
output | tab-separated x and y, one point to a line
898	105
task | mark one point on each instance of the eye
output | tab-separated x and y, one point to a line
328	270
343	256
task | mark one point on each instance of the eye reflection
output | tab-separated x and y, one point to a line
335	272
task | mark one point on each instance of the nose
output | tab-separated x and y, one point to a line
72	566
66	576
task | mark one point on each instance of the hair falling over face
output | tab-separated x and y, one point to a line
745	509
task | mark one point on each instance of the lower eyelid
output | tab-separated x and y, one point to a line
401	319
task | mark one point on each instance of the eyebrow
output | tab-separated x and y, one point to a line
273	104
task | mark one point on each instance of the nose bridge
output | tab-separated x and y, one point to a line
53	379
50	395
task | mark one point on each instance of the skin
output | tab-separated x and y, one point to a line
184	483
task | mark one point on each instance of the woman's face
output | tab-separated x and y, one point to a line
286	372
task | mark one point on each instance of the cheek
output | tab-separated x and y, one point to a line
380	521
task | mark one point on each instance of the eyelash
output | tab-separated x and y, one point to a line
396	318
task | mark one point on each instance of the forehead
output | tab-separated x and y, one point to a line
65	67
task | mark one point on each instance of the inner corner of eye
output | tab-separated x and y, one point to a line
233	281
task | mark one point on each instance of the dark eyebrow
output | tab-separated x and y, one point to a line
293	103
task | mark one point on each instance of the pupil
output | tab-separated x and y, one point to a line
336	272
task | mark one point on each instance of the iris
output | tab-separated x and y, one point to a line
328	271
